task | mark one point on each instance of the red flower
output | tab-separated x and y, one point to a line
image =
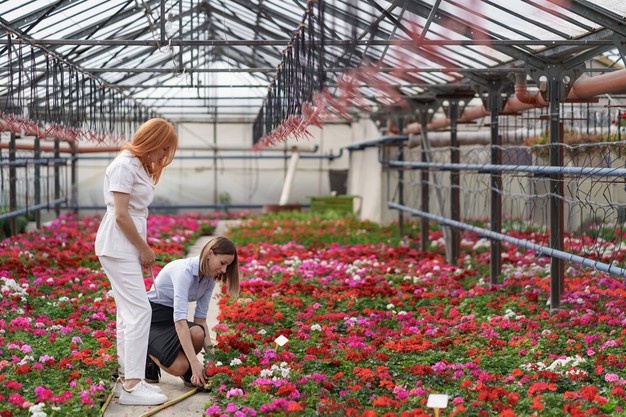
537	405
285	390
382	401
22	369
295	407
619	392
588	393
538	387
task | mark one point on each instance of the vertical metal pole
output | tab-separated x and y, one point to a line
12	184
556	189
57	176
181	63
455	196
401	180
424	178
215	152
162	23
74	176
495	267
37	180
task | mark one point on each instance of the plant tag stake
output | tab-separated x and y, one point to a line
281	340
437	401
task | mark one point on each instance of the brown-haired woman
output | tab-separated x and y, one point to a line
174	341
123	251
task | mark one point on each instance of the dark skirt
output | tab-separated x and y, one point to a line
163	343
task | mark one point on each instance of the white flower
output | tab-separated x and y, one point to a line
482	243
235	362
36	410
266	373
316	327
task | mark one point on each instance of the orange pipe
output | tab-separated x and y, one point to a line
524	96
586	87
583	88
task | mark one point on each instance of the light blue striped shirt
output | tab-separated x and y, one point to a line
178	284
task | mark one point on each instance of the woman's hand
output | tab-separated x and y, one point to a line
147	256
198	375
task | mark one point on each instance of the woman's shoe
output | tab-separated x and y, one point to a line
141	394
120	384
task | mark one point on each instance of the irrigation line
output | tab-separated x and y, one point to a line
108	400
534	169
543	250
170	402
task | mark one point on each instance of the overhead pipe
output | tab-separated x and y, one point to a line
583	88
535	98
586	86
74	148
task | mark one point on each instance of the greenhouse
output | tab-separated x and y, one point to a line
390	208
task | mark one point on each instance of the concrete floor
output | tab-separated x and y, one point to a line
172	386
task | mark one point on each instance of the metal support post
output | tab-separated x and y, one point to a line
555	88
424	179
12	184
455	183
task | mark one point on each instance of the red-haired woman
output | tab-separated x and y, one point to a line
123	251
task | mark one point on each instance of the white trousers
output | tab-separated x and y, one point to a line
133	314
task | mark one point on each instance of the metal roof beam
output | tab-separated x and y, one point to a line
596	39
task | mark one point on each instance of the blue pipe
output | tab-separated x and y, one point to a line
543	250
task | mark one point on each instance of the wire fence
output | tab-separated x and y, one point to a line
574	212
30	185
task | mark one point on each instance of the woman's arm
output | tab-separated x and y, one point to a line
207	336
197	368
126	225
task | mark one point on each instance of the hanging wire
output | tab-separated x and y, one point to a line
62	110
299	76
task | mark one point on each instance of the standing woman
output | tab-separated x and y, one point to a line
123	251
174	341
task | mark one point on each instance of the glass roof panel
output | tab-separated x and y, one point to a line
229	44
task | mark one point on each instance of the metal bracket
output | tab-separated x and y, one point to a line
553	72
499	84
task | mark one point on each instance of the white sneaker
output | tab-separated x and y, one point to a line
119	388
141	394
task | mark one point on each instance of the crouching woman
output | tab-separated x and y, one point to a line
174	341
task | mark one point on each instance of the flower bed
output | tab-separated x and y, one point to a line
57	319
373	329
373	325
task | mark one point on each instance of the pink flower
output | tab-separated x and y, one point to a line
16	399
234	392
457	400
611	378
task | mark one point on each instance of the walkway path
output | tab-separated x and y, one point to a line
173	386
